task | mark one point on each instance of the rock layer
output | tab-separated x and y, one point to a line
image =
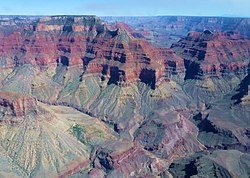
87	42
14	104
213	54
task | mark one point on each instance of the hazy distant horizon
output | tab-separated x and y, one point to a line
120	16
101	8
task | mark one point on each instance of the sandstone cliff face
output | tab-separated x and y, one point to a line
116	55
88	43
127	59
213	54
52	40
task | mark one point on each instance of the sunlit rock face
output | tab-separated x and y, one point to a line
213	54
86	42
16	104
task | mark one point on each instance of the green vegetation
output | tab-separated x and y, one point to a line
78	132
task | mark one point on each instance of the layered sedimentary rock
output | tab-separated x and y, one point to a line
130	59
88	43
213	54
165	135
14	104
126	159
51	40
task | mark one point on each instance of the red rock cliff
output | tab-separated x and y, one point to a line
213	54
87	42
13	104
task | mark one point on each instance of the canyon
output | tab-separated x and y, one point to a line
83	96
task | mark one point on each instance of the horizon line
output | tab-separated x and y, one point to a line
169	15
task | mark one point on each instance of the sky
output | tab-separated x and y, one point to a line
126	7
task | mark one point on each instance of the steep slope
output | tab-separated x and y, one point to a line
33	141
213	54
217	164
215	63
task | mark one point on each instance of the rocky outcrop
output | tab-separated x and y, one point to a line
126	159
13	104
132	31
166	135
123	59
243	91
211	54
190	167
52	40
